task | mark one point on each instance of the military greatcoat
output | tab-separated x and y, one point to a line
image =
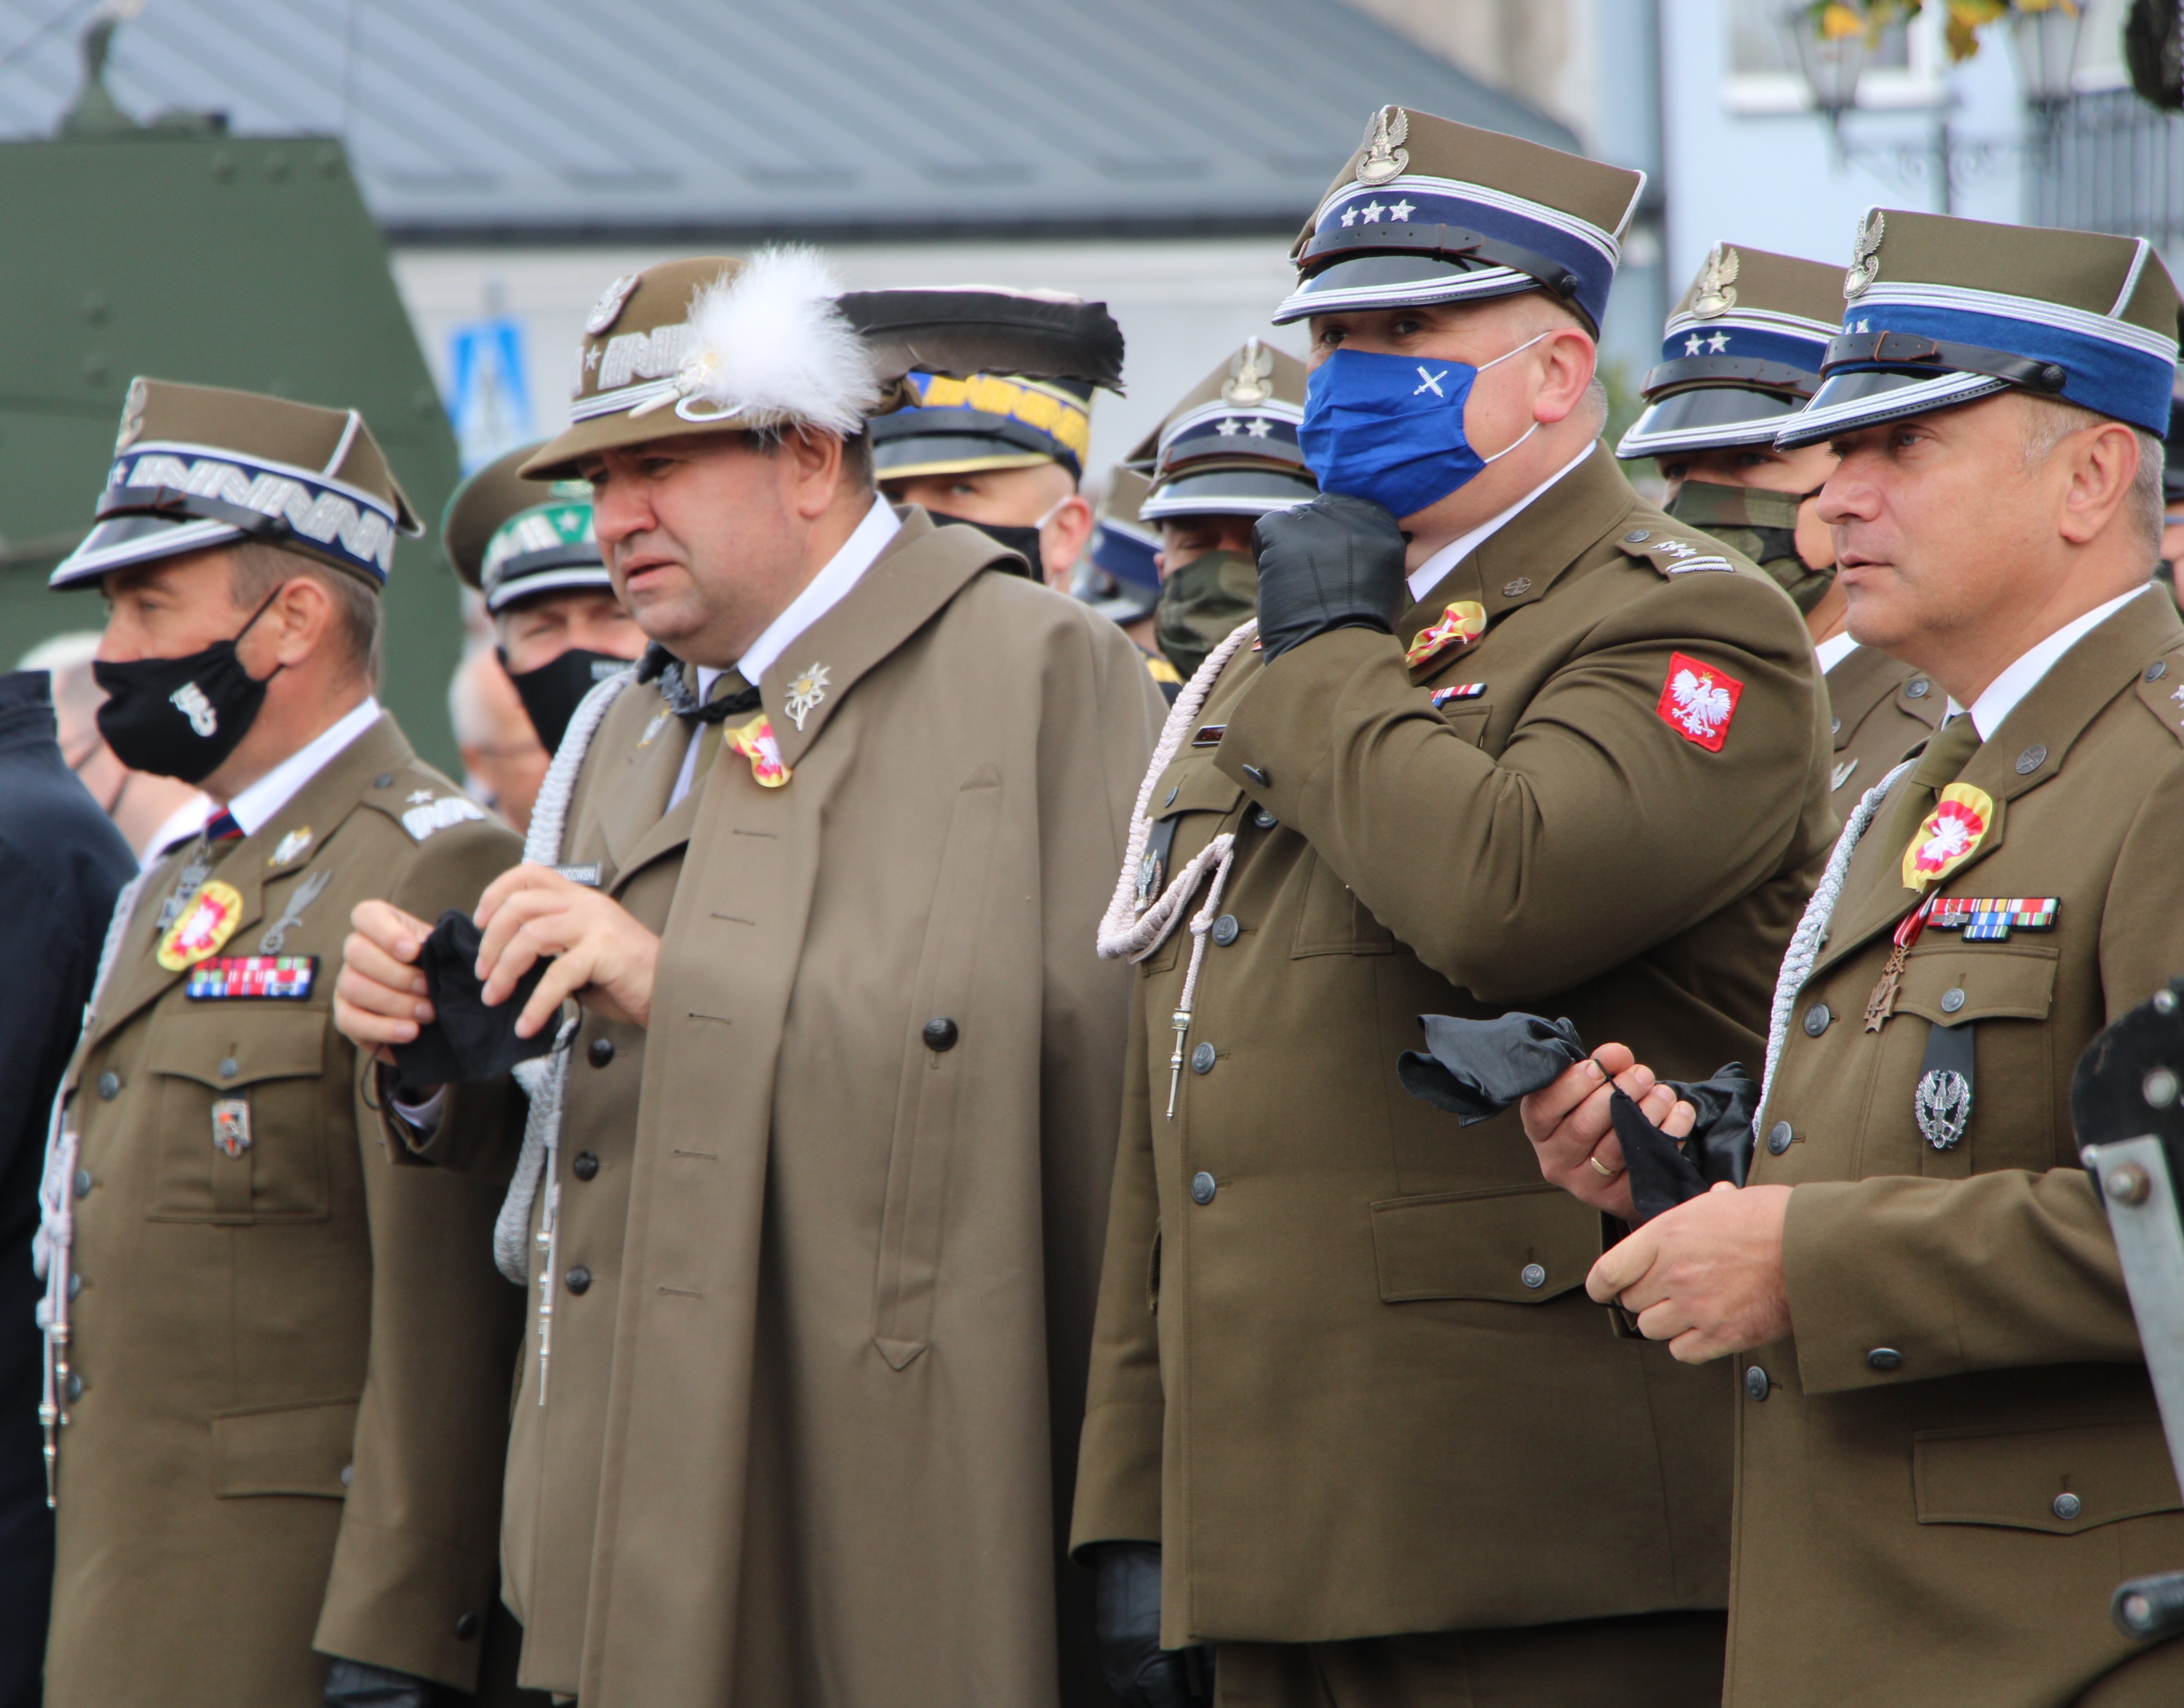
1344	1372
811	1421
293	1366
1956	1457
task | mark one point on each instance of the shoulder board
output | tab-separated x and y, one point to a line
2161	691
421	801
1672	552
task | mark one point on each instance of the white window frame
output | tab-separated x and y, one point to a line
1922	84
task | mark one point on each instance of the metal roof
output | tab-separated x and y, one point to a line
576	118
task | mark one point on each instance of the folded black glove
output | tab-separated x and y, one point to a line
466	1040
1126	1628
1478	1068
358	1684
1337	563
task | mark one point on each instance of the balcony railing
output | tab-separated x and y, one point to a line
2108	162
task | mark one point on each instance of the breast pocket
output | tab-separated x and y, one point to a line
242	1103
2004	992
1190	803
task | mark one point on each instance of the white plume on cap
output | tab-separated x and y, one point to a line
769	345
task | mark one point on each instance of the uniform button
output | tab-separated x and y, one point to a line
1258	777
586	1166
579	1279
467	1628
1201	1058
1778	1138
1264	820
348	1475
2156	671
1225	929
940	1034
83	1183
385	779
1885	1358
1917	688
1637	536
1952	1000
1816	1019
601	1051
1518	588
2068	1506
75	1386
229	1067
1835	726
1756	1382
75	1284
1202	1188
1532	1275
1172	794
110	1085
2031	759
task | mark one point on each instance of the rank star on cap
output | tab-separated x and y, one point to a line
1717	344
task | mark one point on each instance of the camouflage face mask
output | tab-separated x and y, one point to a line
1201	603
1763	525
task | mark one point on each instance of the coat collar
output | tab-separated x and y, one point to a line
1867	676
319	807
630	799
2031	747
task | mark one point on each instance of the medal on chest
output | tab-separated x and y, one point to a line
206	922
1948	835
755	741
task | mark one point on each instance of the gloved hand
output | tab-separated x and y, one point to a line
1337	563
1126	1626
358	1684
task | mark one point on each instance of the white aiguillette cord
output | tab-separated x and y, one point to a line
1132	932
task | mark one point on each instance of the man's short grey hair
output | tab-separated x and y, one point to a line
2050	420
259	568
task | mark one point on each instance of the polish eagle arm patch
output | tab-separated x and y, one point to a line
1698	701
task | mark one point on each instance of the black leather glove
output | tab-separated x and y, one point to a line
1126	1627
358	1684
1337	563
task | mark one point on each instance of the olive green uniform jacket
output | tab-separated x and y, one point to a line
810	1427
1345	1371
294	1366
1902	1536
1881	709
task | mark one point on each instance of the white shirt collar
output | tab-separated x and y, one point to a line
256	806
2021	678
1422	579
1834	650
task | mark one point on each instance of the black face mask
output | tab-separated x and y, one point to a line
1016	539
180	717
552	692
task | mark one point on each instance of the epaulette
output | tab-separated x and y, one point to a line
2161	691
1672	553
421	800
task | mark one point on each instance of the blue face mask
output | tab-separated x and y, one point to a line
1390	428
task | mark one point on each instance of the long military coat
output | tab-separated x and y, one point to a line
1964	1357
294	1366
810	1428
1344	1371
1879	710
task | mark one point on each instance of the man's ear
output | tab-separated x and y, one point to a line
1568	358
2101	469
299	620
815	459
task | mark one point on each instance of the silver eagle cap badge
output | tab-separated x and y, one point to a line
1386	157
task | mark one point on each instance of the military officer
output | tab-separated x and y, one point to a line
1947	1445
277	1371
1545	747
1741	351
1125	583
813	1239
1225	456
528	550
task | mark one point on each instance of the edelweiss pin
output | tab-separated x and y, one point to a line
1250	376
1864	254
608	309
806	690
1717	285
1386	157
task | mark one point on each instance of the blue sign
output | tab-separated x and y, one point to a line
487	399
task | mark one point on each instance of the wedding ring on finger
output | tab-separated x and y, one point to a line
1601	1169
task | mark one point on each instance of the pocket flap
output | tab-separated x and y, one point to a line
2061	1480
262	1040
1998	981
1199	788
284	1450
1518	1245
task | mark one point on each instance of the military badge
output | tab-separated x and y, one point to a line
1991	919
1948	835
306	892
755	742
231	1125
1699	702
1209	735
1460	691
1842	773
1716	291
290	846
1943	1106
1250	376
1386	157
431	815
1865	254
806	690
132	415
1461	624
203	926
653	729
273	977
608	309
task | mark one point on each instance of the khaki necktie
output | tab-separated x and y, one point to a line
730	694
1943	763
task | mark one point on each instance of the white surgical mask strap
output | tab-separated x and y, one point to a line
1534	427
1057	509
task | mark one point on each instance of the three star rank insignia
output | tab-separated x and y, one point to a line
202	927
1461	624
